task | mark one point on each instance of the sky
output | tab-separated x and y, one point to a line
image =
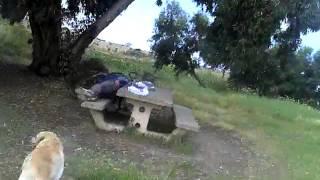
135	25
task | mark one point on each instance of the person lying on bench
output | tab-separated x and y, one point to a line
105	87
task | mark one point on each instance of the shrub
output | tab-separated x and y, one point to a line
14	41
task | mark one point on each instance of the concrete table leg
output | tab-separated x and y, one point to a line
140	115
140	119
98	118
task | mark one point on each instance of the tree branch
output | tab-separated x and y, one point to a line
85	39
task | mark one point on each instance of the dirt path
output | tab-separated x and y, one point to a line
29	104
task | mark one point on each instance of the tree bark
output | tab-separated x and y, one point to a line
78	47
223	73
45	21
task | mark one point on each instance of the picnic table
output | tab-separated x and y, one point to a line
142	107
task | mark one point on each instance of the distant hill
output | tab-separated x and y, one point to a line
120	49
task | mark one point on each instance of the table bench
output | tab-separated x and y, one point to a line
97	111
184	118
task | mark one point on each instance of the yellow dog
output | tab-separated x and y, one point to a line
46	161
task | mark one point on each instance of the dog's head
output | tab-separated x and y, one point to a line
42	136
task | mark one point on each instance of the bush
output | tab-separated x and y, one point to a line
213	80
14	41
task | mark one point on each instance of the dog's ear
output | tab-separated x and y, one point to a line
36	140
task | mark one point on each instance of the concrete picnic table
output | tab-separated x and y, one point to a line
143	105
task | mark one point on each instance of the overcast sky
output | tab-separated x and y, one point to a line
135	25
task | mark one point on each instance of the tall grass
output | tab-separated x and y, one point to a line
288	131
14	40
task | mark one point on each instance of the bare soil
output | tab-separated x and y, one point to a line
29	104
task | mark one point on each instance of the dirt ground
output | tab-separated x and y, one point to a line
29	104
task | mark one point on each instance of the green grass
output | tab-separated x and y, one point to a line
14	40
91	165
287	131
12	127
84	168
106	173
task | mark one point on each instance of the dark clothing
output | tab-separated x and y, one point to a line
107	85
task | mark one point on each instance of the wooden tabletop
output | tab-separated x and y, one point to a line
160	96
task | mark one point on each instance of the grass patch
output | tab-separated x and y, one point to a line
288	131
106	173
103	169
14	42
178	143
90	165
12	127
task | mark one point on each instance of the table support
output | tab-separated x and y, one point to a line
140	115
98	118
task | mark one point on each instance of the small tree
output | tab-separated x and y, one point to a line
242	33
175	40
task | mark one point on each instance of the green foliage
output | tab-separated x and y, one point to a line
169	31
238	38
11	44
199	23
242	32
79	14
175	39
301	17
301	77
316	56
12	9
62	30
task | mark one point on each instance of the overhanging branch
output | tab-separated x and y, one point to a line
84	40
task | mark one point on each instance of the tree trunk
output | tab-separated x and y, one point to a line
223	73
77	49
198	79
45	22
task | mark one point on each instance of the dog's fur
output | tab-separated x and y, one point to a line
46	161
